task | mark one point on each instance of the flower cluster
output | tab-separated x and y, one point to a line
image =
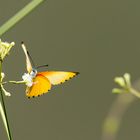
5	47
124	82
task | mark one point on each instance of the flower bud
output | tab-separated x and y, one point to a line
5	48
120	81
127	78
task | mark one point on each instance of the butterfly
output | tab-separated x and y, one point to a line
39	83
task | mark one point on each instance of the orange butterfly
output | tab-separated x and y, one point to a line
39	83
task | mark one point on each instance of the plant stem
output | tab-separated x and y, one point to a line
3	109
14	82
18	16
113	120
135	92
6	118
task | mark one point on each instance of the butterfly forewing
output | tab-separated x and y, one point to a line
58	77
40	85
28	62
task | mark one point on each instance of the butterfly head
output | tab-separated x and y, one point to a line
33	73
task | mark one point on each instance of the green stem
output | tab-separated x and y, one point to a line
20	15
114	118
135	92
3	109
14	82
6	118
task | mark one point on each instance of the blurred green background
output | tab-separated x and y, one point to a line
100	39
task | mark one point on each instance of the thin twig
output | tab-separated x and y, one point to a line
20	15
14	82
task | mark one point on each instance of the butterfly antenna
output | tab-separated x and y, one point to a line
32	62
42	66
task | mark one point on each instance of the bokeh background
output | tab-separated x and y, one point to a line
100	39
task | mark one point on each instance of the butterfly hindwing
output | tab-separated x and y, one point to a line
58	77
40	86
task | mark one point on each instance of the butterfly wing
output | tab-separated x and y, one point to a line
40	86
58	77
28	62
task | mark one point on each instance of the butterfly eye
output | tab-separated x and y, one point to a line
33	73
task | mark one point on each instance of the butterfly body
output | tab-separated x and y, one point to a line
28	77
39	83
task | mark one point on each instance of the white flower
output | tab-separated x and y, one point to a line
28	79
